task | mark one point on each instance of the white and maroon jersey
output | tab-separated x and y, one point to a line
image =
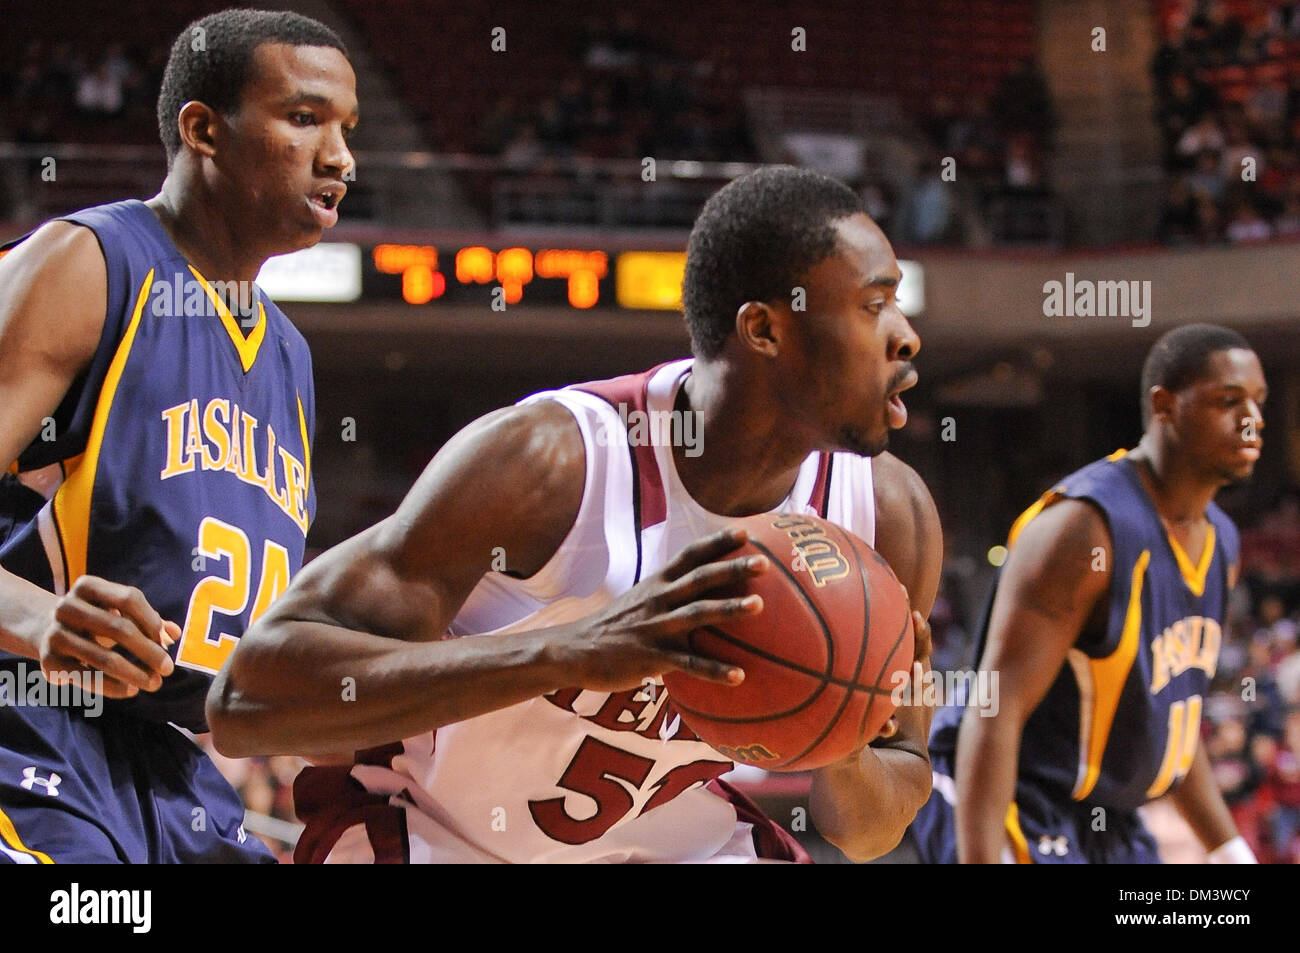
576	775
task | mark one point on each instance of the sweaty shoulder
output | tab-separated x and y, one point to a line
908	533
512	479
550	441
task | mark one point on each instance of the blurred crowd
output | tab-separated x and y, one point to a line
1002	145
627	95
1251	724
64	92
1228	94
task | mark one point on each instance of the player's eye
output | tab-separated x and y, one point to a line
303	119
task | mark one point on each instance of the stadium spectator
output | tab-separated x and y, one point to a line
99	92
1247	225
1178	218
1287	224
1283	782
1224	101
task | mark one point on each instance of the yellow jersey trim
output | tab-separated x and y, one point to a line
1019	846
246	347
9	834
1194	576
1047	499
1042	503
306	445
72	499
1108	677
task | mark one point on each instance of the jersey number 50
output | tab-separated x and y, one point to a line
607	775
229	594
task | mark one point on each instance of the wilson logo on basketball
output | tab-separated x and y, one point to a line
815	551
748	753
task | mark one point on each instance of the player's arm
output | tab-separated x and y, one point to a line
53	298
1201	804
863	804
1050	586
369	616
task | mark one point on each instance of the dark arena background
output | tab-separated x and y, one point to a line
528	174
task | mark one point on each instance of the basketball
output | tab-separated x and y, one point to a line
820	660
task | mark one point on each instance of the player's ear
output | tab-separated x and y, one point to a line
756	328
197	123
1162	403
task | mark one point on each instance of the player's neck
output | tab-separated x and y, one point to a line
1180	495
202	232
743	465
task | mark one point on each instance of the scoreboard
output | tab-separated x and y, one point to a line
428	275
582	278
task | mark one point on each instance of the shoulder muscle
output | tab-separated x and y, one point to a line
511	482
908	533
1053	568
53	298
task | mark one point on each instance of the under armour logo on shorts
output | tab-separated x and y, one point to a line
1059	846
51	784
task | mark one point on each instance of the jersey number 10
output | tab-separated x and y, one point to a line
1180	751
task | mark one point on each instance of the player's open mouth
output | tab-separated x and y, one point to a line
897	413
897	409
324	203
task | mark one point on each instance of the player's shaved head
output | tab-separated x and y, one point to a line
212	61
1180	357
754	241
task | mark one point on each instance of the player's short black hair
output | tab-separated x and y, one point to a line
754	241
211	60
1179	358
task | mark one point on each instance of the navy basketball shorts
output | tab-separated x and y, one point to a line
110	789
1039	829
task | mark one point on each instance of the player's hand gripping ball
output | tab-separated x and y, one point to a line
821	660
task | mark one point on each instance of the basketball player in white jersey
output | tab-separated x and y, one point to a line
526	696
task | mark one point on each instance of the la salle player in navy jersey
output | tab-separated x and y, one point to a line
541	741
1105	632
183	424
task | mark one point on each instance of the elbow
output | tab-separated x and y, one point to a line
243	707
893	833
234	717
883	837
863	850
887	826
229	734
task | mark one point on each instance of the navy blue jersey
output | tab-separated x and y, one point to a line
180	462
1120	724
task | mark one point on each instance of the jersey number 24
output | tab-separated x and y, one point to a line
200	648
